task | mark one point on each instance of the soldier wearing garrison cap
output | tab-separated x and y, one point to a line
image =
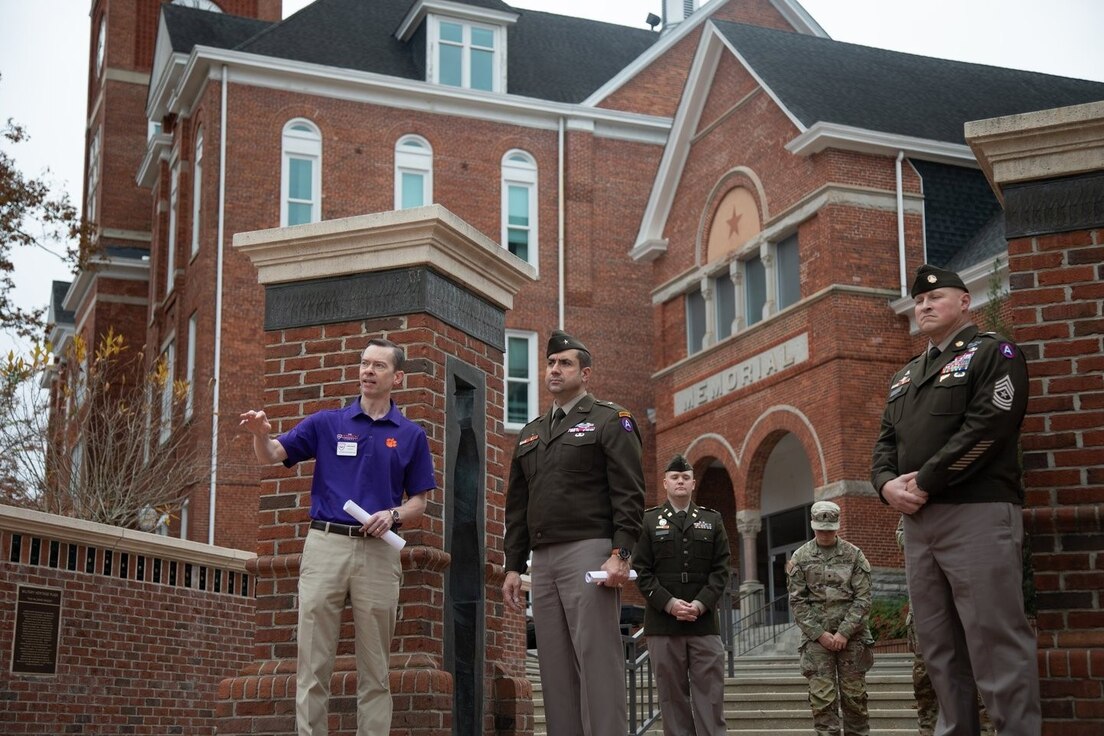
947	458
828	580
682	563
575	499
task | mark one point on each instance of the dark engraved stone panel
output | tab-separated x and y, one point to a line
1054	205
383	294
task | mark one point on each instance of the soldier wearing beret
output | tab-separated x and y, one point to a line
575	499
681	561
947	458
828	580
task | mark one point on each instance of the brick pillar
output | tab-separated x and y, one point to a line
1048	169
436	286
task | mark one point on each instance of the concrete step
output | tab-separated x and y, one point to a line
767	696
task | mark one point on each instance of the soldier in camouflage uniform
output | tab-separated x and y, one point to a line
830	593
927	705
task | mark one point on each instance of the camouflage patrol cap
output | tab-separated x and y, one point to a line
678	464
559	341
825	516
930	278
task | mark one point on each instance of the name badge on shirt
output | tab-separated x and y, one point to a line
346	449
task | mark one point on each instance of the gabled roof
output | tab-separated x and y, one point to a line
853	97
820	80
190	27
549	57
958	203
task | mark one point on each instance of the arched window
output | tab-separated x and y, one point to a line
413	172
301	174
519	205
197	190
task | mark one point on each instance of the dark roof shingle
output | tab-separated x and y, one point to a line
821	80
189	27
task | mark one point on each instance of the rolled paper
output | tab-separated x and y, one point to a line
354	510
595	575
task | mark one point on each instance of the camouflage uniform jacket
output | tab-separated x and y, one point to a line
830	590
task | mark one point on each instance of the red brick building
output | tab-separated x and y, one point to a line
728	212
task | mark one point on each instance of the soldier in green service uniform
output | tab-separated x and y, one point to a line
682	563
575	498
947	458
830	594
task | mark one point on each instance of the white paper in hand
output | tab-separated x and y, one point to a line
595	575
353	509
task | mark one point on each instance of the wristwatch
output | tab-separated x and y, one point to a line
623	552
396	522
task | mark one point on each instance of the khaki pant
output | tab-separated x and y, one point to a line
582	659
369	572
689	672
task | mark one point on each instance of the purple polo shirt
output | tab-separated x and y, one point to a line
370	461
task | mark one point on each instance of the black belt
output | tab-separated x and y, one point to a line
343	529
684	577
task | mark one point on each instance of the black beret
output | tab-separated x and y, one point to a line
559	341
678	464
929	278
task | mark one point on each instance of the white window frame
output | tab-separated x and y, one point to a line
168	354
94	155
101	45
301	144
197	191
170	248
519	169
533	380
190	368
434	43
413	155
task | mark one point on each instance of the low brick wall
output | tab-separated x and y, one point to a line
148	627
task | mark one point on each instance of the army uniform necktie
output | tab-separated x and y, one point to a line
557	417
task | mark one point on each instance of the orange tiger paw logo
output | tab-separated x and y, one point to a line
392	442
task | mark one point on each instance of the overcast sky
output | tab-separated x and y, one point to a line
44	53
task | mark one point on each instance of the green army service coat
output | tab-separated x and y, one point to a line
685	559
957	421
583	480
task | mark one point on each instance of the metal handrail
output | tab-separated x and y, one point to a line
639	684
749	630
740	633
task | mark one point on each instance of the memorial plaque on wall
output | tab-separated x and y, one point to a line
37	624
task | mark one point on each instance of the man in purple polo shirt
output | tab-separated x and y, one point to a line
370	453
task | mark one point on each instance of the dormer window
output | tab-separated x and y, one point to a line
465	43
465	54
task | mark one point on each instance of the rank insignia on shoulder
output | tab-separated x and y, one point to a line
530	438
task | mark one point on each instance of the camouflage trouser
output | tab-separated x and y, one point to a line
927	707
837	681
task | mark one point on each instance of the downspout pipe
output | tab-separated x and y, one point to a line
560	224
213	493
901	225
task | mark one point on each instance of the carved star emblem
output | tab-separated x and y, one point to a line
733	223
